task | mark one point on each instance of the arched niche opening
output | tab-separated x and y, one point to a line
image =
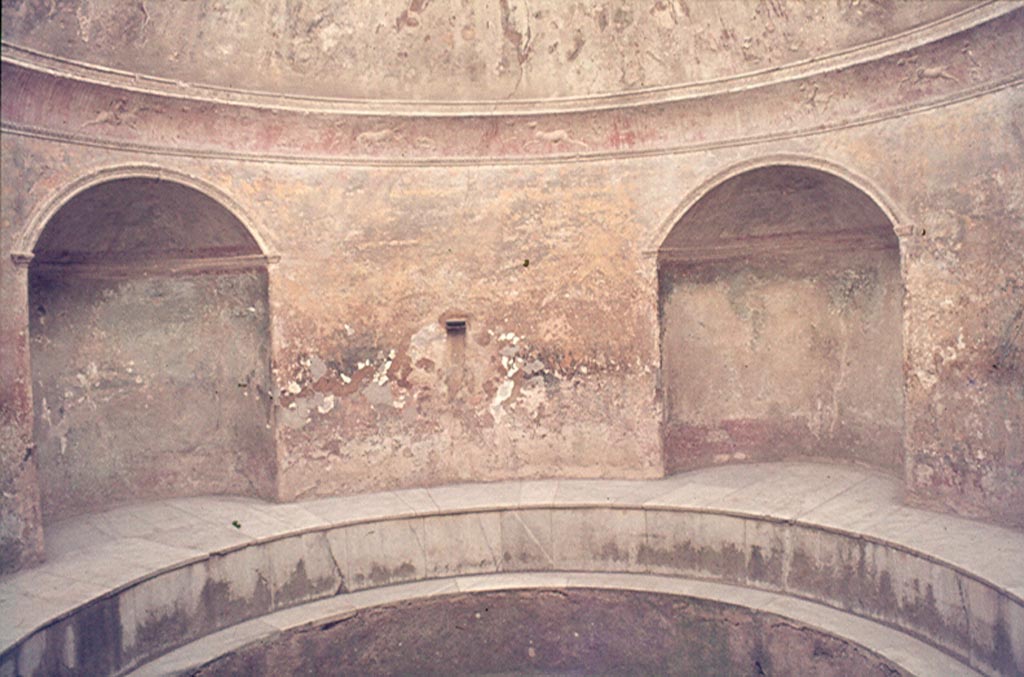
780	302
150	349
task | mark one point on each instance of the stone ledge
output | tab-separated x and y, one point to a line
143	579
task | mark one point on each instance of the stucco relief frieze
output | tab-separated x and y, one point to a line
42	102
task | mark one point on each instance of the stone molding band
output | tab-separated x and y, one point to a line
935	74
44	134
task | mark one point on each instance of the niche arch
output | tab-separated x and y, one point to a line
150	346
780	305
40	216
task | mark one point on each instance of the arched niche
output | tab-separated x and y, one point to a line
780	303
150	348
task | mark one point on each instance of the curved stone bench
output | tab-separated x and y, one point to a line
125	586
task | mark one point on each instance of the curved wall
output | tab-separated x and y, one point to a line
541	231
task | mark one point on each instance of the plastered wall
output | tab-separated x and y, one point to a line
778	358
549	251
149	385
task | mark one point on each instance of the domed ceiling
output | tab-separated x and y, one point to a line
454	50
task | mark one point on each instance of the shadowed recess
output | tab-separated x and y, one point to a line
781	200
142	219
150	350
781	310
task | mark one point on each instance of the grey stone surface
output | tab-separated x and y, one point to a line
911	655
463	544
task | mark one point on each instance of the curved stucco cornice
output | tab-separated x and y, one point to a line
129	81
22	253
975	62
846	173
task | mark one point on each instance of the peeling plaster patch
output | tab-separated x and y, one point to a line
380	376
515	23
84	21
58	429
296	415
533	395
377	393
928	380
509	365
317	368
326	404
425	336
330	36
504	392
293	388
533	367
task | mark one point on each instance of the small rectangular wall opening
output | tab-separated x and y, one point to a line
455	326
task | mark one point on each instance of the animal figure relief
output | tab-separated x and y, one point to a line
554	137
425	143
812	99
926	73
376	137
120	114
934	73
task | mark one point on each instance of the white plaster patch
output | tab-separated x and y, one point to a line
330	36
380	376
317	368
326	404
296	415
504	392
293	388
425	336
532	396
928	380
